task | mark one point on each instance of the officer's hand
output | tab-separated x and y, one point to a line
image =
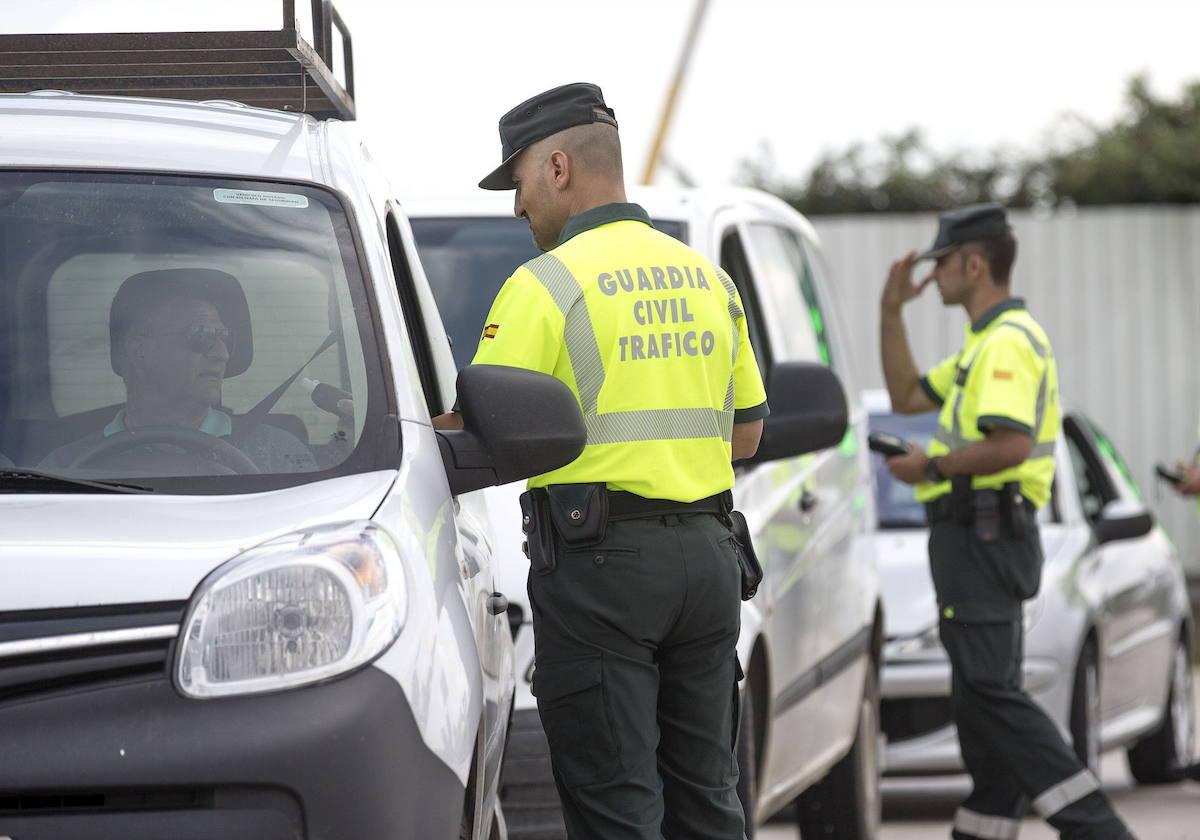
909	468
899	288
1190	486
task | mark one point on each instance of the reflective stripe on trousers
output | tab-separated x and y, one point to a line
1049	802
582	349
986	827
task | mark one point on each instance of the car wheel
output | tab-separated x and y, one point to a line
1085	708
747	758
846	804
1161	757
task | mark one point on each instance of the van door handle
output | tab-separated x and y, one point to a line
808	501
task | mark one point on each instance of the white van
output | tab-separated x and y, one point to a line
246	591
811	639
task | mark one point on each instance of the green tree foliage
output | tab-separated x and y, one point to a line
1150	155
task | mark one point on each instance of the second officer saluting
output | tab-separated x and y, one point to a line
635	580
988	469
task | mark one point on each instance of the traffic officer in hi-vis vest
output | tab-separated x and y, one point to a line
989	468
635	568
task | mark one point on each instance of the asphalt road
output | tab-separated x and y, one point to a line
922	810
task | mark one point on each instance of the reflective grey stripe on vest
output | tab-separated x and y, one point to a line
735	312
954	439
985	827
578	333
659	424
623	426
1051	801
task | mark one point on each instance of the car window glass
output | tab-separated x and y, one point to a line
818	314
1091	494
896	501
1118	471
784	271
735	264
135	300
467	260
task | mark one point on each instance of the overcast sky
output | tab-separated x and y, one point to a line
807	75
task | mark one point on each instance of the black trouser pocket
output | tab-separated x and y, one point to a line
736	722
574	712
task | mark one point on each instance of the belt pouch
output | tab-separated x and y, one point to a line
579	512
752	573
987	516
539	532
1016	512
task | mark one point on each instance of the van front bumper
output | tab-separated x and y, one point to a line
137	761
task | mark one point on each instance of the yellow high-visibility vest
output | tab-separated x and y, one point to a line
1004	377
652	340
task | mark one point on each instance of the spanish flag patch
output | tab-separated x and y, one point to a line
490	331
1002	374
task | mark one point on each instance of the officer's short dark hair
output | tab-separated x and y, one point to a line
1000	255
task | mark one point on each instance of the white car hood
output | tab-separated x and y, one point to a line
81	550
909	603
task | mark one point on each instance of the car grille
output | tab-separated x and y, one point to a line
49	650
913	717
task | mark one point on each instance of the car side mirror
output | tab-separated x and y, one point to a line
808	411
1122	519
517	424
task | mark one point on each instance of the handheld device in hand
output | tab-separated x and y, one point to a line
1168	475
887	445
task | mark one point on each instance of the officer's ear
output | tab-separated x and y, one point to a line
975	265
560	169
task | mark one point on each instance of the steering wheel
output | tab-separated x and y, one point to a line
189	440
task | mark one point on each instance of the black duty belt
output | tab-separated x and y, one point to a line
622	505
962	507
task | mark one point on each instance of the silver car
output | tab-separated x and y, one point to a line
1106	650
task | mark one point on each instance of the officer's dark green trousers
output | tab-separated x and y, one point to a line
636	680
1011	748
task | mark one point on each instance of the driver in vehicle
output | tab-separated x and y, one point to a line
175	335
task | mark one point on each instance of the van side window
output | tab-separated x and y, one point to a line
806	270
786	273
733	260
412	318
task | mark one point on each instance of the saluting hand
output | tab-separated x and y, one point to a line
900	288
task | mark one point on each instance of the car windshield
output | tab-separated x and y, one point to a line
152	326
467	260
898	507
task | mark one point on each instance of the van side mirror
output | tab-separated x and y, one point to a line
518	423
1122	519
808	411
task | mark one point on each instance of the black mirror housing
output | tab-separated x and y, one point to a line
808	411
1123	528
517	423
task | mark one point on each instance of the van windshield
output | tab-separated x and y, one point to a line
467	260
151	327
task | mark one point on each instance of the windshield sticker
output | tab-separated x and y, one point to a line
261	198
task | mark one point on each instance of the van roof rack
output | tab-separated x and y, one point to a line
267	69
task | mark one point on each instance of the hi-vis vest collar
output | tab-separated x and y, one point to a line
981	323
602	215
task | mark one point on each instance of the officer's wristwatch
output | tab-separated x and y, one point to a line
932	474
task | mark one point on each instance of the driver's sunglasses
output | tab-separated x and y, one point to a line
203	340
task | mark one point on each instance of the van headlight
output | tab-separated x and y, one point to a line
301	608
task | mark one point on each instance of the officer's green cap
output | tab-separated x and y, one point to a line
545	114
967	224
